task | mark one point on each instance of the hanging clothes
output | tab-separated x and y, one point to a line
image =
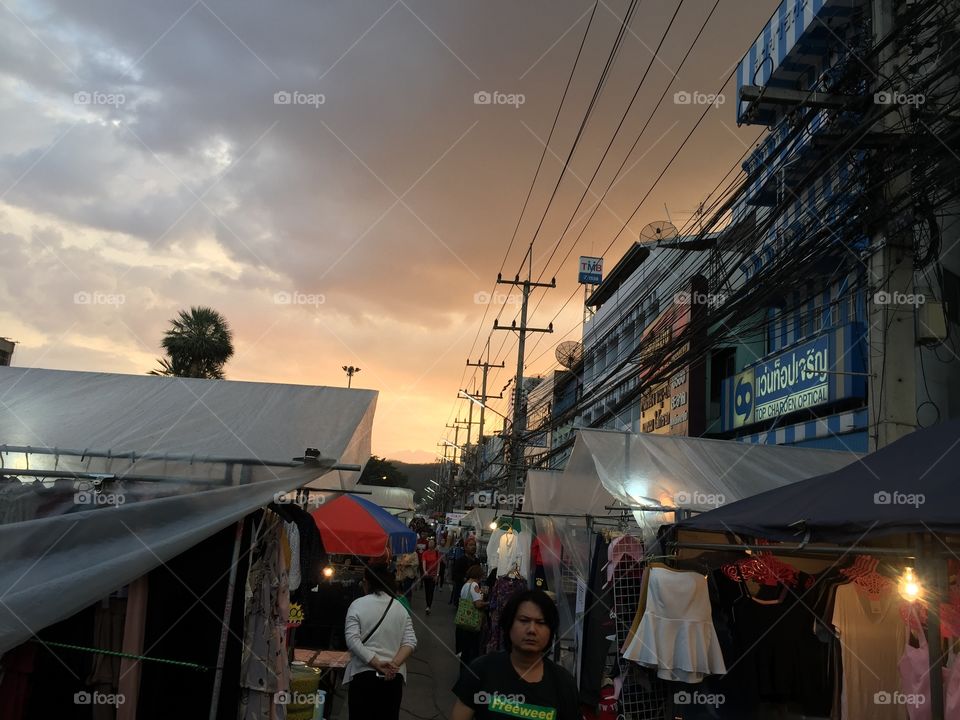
599	629
293	538
264	670
676	634
16	674
623	548
509	551
503	589
775	655
872	637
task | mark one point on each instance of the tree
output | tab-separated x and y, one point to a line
380	471
198	344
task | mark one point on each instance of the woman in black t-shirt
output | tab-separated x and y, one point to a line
521	681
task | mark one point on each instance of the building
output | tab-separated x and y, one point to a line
800	373
550	418
645	366
6	350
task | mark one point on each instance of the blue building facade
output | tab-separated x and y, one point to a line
801	378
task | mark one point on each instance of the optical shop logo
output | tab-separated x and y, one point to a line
98	698
898	698
699	499
898	498
90	494
743	397
698	698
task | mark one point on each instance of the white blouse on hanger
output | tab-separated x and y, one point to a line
676	634
508	549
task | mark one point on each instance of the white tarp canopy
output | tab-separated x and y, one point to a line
168	462
608	468
395	500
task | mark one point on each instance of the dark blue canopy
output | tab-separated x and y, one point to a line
912	485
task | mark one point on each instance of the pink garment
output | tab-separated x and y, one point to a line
914	668
621	547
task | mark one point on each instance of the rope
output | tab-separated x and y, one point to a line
177	663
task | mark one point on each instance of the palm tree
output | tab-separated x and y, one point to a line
198	345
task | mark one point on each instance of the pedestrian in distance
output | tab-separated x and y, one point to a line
469	618
521	681
408	566
430	565
460	566
380	637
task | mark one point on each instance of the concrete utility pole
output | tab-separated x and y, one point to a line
892	332
516	437
893	391
483	397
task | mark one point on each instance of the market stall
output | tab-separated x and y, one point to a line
116	485
866	555
595	521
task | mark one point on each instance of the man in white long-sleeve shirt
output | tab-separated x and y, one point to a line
380	637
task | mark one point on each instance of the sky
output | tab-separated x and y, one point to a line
342	179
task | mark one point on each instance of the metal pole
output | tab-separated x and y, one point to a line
228	608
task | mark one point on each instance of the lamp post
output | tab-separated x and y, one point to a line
350	370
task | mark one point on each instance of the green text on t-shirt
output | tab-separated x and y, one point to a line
504	705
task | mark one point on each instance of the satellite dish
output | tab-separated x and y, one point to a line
657	232
569	353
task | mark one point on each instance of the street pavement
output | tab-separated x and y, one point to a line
433	668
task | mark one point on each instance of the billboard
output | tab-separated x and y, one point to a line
813	373
591	270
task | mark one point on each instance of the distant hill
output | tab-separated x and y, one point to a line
418	475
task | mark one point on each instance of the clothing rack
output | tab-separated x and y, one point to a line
930	564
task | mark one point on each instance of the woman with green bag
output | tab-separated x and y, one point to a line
469	617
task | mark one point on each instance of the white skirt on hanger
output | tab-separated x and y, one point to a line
676	634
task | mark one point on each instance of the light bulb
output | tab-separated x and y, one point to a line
328	572
493	525
909	587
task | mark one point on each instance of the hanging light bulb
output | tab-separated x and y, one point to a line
328	572
909	586
493	524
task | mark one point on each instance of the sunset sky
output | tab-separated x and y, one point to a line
147	164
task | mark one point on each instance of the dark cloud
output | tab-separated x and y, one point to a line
199	188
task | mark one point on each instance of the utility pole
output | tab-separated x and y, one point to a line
483	397
892	333
516	445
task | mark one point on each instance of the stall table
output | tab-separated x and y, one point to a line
332	664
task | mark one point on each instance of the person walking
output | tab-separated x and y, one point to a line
408	566
430	565
380	638
468	619
521	681
460	566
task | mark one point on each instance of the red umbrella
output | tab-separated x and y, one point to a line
351	525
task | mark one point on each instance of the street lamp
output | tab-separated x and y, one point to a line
350	370
478	401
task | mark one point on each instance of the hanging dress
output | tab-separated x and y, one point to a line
676	634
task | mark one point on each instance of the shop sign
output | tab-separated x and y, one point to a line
817	372
591	270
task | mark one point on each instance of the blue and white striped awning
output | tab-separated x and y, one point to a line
790	51
830	426
773	156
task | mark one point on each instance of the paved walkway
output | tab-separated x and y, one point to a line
434	667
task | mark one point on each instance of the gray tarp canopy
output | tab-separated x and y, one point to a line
644	469
180	459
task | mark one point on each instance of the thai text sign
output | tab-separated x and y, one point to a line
819	371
